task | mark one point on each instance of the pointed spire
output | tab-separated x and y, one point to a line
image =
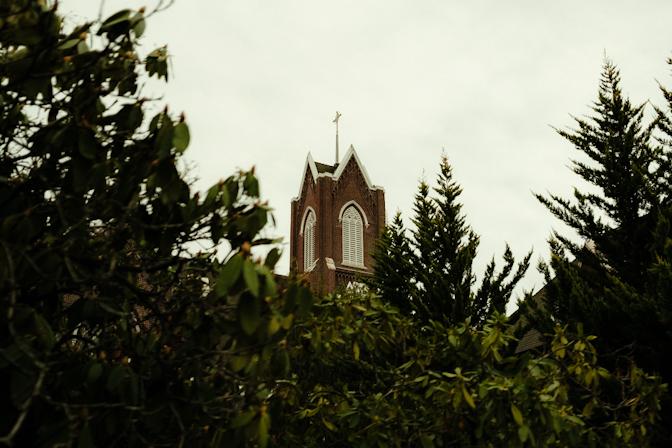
335	120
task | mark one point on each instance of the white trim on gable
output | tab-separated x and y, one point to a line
350	154
310	164
341	167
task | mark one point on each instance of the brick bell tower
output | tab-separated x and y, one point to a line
336	219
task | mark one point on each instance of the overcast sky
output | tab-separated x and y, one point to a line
260	82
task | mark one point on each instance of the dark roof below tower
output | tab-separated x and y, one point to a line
324	168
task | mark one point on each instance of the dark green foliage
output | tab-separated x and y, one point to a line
431	273
392	266
623	166
366	375
113	331
663	124
618	282
622	219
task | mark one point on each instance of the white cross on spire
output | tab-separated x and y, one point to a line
335	120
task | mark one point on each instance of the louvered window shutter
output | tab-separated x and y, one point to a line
309	242
353	237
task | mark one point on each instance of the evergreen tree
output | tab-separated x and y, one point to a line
423	251
447	247
622	165
618	281
392	258
617	218
437	276
663	172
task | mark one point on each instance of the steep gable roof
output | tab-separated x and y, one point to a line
352	154
334	171
309	165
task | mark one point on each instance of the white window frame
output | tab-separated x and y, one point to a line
308	232
352	221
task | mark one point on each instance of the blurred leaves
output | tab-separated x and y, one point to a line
116	331
367	375
112	331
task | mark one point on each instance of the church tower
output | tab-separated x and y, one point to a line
336	219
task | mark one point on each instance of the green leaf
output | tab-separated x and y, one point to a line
330	426
82	47
130	117
95	371
116	18
140	25
273	325
287	321
226	197
44	331
238	363
272	258
251	185
270	288
216	227
588	409
228	275
523	433
517	415
243	418
575	419
468	398
249	310
262	430
164	138
251	277
426	441
69	44
181	137
212	195
156	63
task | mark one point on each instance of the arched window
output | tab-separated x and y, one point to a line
309	241
353	237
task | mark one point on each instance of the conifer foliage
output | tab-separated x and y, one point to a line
114	332
392	266
431	271
623	219
623	166
618	280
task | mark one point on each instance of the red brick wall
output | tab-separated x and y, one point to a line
351	186
308	199
327	198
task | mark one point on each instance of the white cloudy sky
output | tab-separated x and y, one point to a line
260	82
